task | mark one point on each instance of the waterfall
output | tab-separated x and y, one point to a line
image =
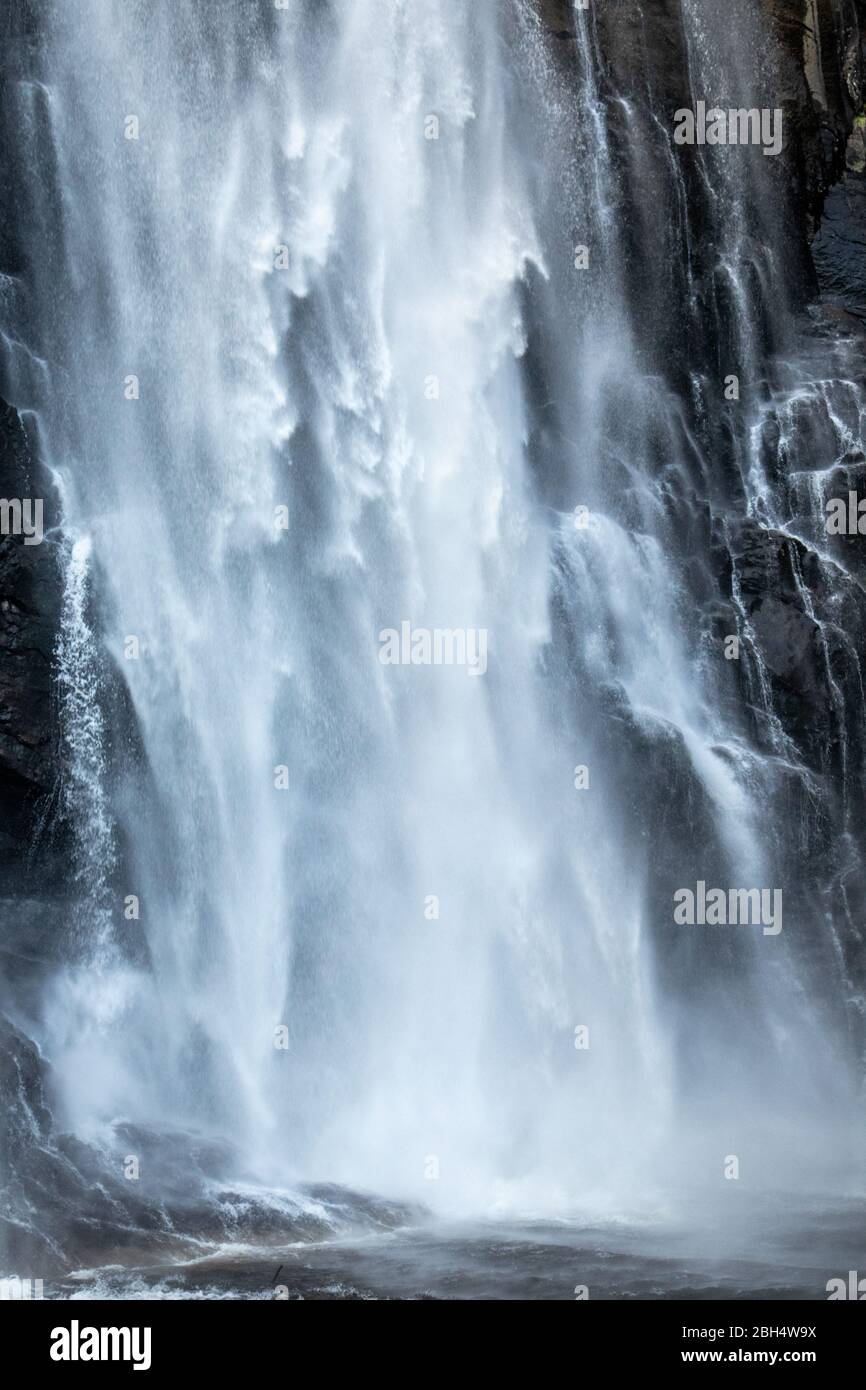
314	354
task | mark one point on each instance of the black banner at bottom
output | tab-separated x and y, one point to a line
197	1336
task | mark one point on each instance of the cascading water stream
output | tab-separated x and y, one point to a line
301	273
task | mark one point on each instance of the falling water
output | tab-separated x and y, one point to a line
320	361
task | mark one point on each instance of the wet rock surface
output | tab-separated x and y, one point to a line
143	1193
762	565
30	593
840	246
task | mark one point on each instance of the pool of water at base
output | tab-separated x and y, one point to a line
770	1251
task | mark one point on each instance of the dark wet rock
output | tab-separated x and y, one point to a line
558	17
855	153
65	1202
30	578
30	597
834	138
831	321
26	1116
796	696
353	1205
839	248
808	626
820	93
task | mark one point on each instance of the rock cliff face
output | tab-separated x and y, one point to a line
29	615
753	510
30	577
815	73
